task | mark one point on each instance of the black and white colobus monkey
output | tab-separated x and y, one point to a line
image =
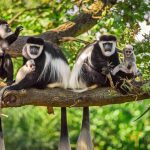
49	68
7	37
88	72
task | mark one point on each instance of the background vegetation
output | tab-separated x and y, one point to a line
31	128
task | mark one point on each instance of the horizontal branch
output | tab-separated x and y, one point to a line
65	98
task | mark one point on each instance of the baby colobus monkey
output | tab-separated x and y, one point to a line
26	69
128	65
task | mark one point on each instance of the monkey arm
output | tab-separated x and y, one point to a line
135	69
115	70
13	37
120	67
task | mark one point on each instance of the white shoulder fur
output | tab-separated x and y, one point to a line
58	66
75	82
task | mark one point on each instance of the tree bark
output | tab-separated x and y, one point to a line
65	98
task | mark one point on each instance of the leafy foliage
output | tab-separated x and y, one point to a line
112	126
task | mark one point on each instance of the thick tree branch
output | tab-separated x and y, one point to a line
82	23
65	98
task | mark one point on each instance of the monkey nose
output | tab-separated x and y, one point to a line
107	48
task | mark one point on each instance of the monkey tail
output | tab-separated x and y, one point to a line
84	140
2	145
64	143
143	114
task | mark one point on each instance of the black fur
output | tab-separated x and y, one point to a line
35	41
107	38
3	22
6	68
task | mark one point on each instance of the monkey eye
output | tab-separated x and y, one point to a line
128	52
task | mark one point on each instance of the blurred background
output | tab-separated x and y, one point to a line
31	128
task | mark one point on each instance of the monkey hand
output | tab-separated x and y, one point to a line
18	30
105	70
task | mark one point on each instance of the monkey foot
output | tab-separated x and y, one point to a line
2	84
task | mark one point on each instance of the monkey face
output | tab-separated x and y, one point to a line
107	47
30	65
5	31
32	51
128	50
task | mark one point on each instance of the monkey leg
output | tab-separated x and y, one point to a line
85	89
54	85
2	84
64	143
84	141
25	83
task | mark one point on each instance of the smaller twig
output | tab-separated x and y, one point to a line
110	80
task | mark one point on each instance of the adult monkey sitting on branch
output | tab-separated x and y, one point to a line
90	71
44	66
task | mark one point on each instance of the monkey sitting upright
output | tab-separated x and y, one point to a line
128	66
7	37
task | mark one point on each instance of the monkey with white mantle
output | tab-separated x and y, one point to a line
7	37
44	66
90	71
